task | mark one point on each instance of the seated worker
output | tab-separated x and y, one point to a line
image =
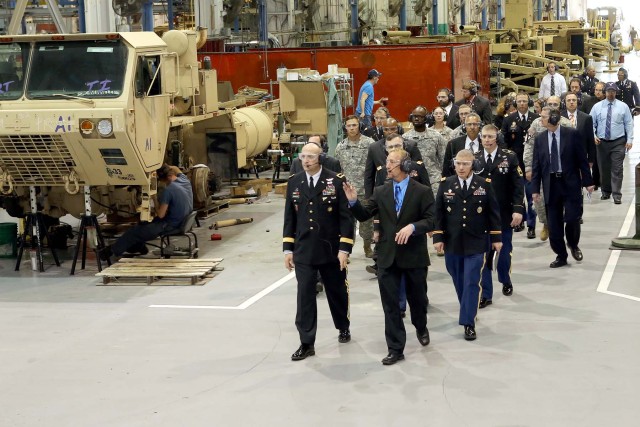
176	202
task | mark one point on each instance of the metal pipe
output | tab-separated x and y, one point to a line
82	20
389	33
484	18
355	40
434	15
463	14
499	23
558	10
147	16
539	12
263	32
402	16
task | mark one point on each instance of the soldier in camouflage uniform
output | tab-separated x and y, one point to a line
352	154
431	144
463	111
538	126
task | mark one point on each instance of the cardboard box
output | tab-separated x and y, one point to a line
281	188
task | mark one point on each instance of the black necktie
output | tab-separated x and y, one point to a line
553	87
311	182
555	160
464	186
489	161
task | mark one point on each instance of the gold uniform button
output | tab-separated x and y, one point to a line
464	209
310	228
464	217
311	203
464	201
310	211
464	225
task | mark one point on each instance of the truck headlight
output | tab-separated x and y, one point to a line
105	127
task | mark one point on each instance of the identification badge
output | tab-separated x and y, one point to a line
448	208
480	210
329	209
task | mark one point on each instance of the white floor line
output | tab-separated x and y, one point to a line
248	303
607	275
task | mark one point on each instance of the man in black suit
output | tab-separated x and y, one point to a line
479	104
583	123
445	100
560	167
598	95
376	130
317	237
405	210
471	141
515	130
502	168
467	226
330	162
377	156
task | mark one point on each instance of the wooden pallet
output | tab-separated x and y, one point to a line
140	271
215	208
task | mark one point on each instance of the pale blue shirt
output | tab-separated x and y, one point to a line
621	119
367	88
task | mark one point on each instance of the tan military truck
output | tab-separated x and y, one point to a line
99	113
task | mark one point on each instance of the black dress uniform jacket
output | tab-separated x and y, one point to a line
417	209
628	93
317	222
467	223
515	132
330	163
453	146
588	85
377	160
506	180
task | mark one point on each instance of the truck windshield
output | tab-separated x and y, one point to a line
13	59
88	69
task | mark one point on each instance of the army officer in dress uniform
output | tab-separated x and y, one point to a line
501	166
467	225
318	237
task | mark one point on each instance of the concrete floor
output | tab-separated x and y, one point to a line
556	353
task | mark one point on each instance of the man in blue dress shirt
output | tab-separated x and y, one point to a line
613	130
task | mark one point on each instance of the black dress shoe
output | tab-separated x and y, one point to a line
576	253
617	200
403	314
518	228
423	337
303	352
558	263
484	302
105	253
531	233
345	336
392	358
507	290
605	196
469	333
581	221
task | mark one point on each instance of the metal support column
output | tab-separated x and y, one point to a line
484	18
82	21
434	16
170	13
558	10
147	16
499	23
539	13
355	25
402	16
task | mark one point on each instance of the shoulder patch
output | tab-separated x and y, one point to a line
419	162
340	175
291	176
506	150
443	179
488	179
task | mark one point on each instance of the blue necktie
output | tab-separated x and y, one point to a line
555	160
398	192
607	126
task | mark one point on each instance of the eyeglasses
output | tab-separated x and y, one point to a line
553	104
490	136
392	162
462	162
305	156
